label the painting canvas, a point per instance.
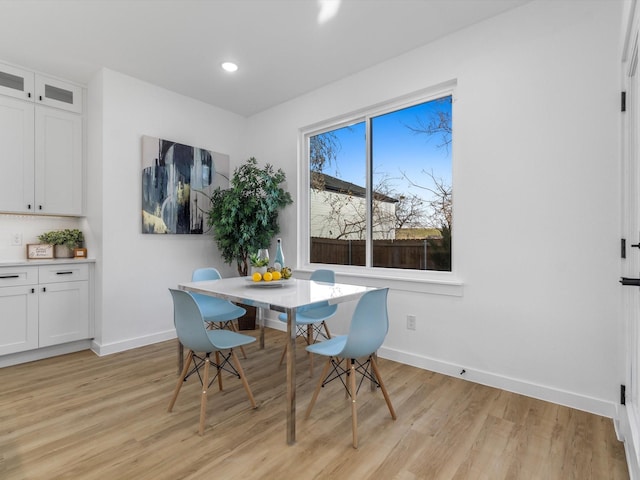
(177, 181)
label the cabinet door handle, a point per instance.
(40, 97)
(10, 276)
(33, 290)
(64, 273)
(40, 207)
(29, 207)
(28, 94)
(44, 289)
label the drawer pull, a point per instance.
(64, 273)
(9, 276)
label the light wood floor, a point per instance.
(82, 417)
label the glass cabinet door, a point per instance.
(15, 82)
(55, 93)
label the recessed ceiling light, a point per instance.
(230, 66)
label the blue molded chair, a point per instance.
(193, 334)
(218, 313)
(310, 323)
(367, 331)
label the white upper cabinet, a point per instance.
(16, 156)
(54, 93)
(58, 162)
(25, 85)
(17, 83)
(41, 144)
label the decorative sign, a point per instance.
(39, 250)
(80, 253)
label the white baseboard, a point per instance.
(128, 344)
(541, 392)
(44, 352)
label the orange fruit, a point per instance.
(256, 277)
(276, 275)
(267, 277)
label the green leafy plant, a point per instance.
(71, 238)
(244, 217)
(257, 261)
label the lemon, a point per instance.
(257, 277)
(267, 277)
(276, 275)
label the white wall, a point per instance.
(136, 270)
(536, 199)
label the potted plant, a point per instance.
(64, 241)
(259, 263)
(244, 217)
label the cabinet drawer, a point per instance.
(64, 273)
(16, 276)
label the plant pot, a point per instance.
(248, 321)
(62, 251)
(260, 270)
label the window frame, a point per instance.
(428, 281)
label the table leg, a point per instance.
(260, 314)
(374, 379)
(291, 376)
(180, 357)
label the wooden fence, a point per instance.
(417, 254)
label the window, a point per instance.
(380, 188)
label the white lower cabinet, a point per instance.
(18, 318)
(63, 313)
(41, 306)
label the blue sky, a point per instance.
(396, 149)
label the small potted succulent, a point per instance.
(259, 261)
(64, 241)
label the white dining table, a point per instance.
(287, 296)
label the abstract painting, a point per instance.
(177, 181)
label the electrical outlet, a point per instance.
(411, 322)
(16, 239)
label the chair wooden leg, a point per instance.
(234, 329)
(376, 371)
(354, 410)
(219, 371)
(236, 361)
(326, 329)
(309, 341)
(203, 398)
(183, 374)
(180, 357)
(325, 371)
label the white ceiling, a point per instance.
(281, 48)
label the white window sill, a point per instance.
(394, 279)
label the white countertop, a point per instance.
(47, 261)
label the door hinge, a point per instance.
(623, 395)
(623, 101)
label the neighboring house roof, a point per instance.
(333, 184)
